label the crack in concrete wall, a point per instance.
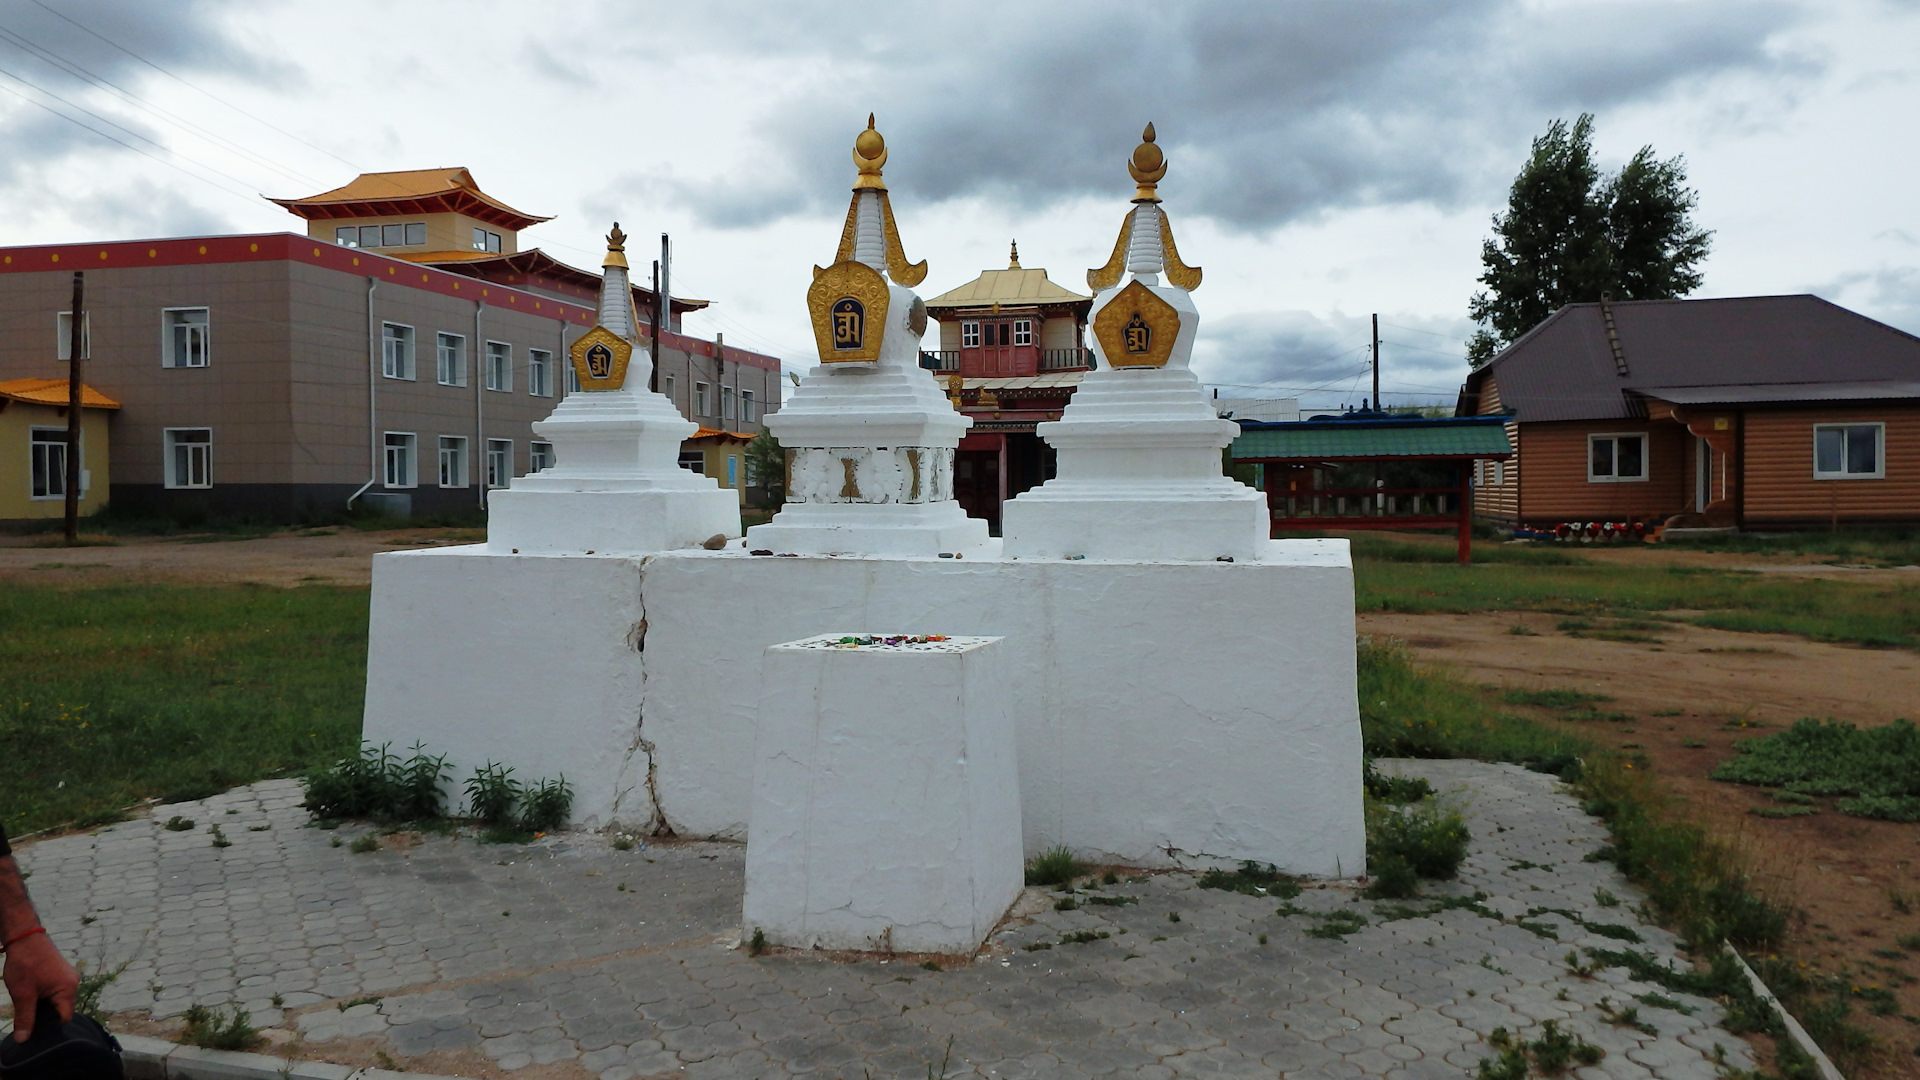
(656, 822)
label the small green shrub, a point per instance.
(1816, 757)
(364, 844)
(1404, 845)
(1393, 789)
(1054, 867)
(1902, 808)
(1252, 879)
(1782, 811)
(492, 793)
(176, 823)
(213, 1029)
(377, 783)
(758, 943)
(545, 805)
(1336, 925)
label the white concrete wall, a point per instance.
(1168, 712)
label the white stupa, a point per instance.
(1139, 446)
(617, 484)
(869, 435)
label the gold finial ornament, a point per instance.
(1013, 256)
(616, 248)
(870, 155)
(1147, 166)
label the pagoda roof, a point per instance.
(1010, 287)
(53, 392)
(531, 262)
(411, 191)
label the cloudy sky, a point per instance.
(1328, 159)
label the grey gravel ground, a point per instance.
(625, 962)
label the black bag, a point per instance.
(81, 1050)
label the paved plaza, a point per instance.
(593, 961)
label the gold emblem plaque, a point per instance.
(600, 359)
(848, 302)
(1137, 328)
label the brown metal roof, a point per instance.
(1564, 369)
(1013, 287)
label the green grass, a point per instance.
(1055, 866)
(115, 694)
(1879, 767)
(1892, 546)
(1863, 613)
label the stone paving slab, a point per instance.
(625, 963)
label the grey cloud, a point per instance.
(1323, 360)
(142, 208)
(1269, 112)
(1890, 294)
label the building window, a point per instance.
(47, 453)
(499, 366)
(486, 241)
(726, 403)
(347, 236)
(1023, 331)
(499, 462)
(733, 470)
(453, 461)
(1849, 451)
(539, 373)
(401, 463)
(699, 399)
(189, 457)
(693, 461)
(539, 456)
(1616, 458)
(746, 406)
(399, 234)
(63, 336)
(184, 337)
(573, 379)
(969, 335)
(1499, 474)
(450, 359)
(396, 356)
(666, 386)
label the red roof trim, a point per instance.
(455, 201)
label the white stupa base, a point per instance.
(1192, 522)
(535, 522)
(886, 797)
(902, 529)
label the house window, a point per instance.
(726, 402)
(396, 356)
(47, 453)
(1023, 331)
(539, 373)
(969, 335)
(453, 461)
(573, 379)
(1849, 451)
(499, 462)
(693, 461)
(666, 386)
(401, 464)
(746, 406)
(733, 470)
(189, 457)
(1616, 458)
(185, 337)
(989, 338)
(400, 234)
(1499, 474)
(539, 456)
(486, 241)
(499, 366)
(699, 399)
(347, 236)
(63, 336)
(451, 365)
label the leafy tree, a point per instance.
(1570, 235)
(767, 466)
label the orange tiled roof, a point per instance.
(708, 433)
(411, 191)
(54, 392)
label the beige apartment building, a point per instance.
(280, 375)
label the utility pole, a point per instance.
(653, 343)
(76, 345)
(1376, 362)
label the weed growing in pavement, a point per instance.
(377, 783)
(1112, 901)
(351, 1002)
(364, 844)
(1392, 789)
(1066, 903)
(1055, 866)
(1880, 767)
(213, 1029)
(1662, 1001)
(1336, 925)
(758, 943)
(176, 823)
(1252, 879)
(219, 838)
(1405, 844)
(545, 805)
(505, 834)
(1082, 937)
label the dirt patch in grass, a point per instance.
(327, 556)
(1689, 700)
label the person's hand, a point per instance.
(36, 970)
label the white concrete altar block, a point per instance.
(886, 796)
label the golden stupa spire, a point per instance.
(869, 156)
(616, 248)
(1147, 165)
(1013, 256)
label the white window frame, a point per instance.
(1023, 331)
(726, 403)
(1879, 451)
(499, 462)
(572, 377)
(699, 399)
(970, 334)
(666, 387)
(746, 406)
(169, 355)
(170, 447)
(450, 358)
(397, 351)
(540, 372)
(500, 380)
(56, 478)
(63, 335)
(453, 461)
(347, 236)
(408, 458)
(1616, 436)
(539, 456)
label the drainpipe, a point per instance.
(479, 401)
(373, 384)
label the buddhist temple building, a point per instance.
(1012, 349)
